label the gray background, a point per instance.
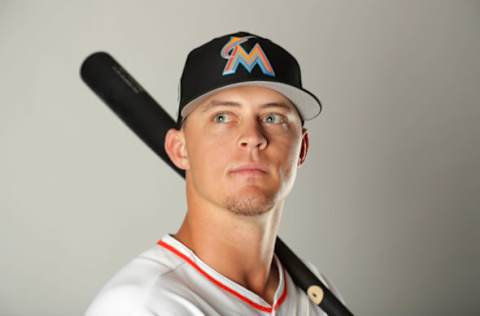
(387, 205)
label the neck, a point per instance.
(237, 246)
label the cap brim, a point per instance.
(307, 104)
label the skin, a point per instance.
(241, 148)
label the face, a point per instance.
(243, 146)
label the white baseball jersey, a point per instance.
(169, 279)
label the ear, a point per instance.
(303, 147)
(176, 148)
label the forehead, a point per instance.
(244, 96)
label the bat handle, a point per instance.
(318, 293)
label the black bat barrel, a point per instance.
(117, 88)
(126, 97)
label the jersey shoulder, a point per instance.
(128, 291)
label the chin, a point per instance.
(249, 204)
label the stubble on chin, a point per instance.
(248, 205)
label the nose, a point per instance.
(252, 136)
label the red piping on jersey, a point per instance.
(223, 286)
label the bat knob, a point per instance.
(315, 293)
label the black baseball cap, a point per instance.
(243, 59)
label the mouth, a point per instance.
(249, 170)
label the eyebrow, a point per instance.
(215, 103)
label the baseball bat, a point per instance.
(146, 118)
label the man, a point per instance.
(240, 140)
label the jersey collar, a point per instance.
(181, 251)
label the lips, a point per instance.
(249, 169)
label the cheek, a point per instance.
(209, 155)
(289, 151)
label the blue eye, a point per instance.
(274, 118)
(221, 118)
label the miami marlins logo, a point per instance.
(236, 55)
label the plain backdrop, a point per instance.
(386, 206)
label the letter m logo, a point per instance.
(236, 55)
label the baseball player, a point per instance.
(240, 139)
